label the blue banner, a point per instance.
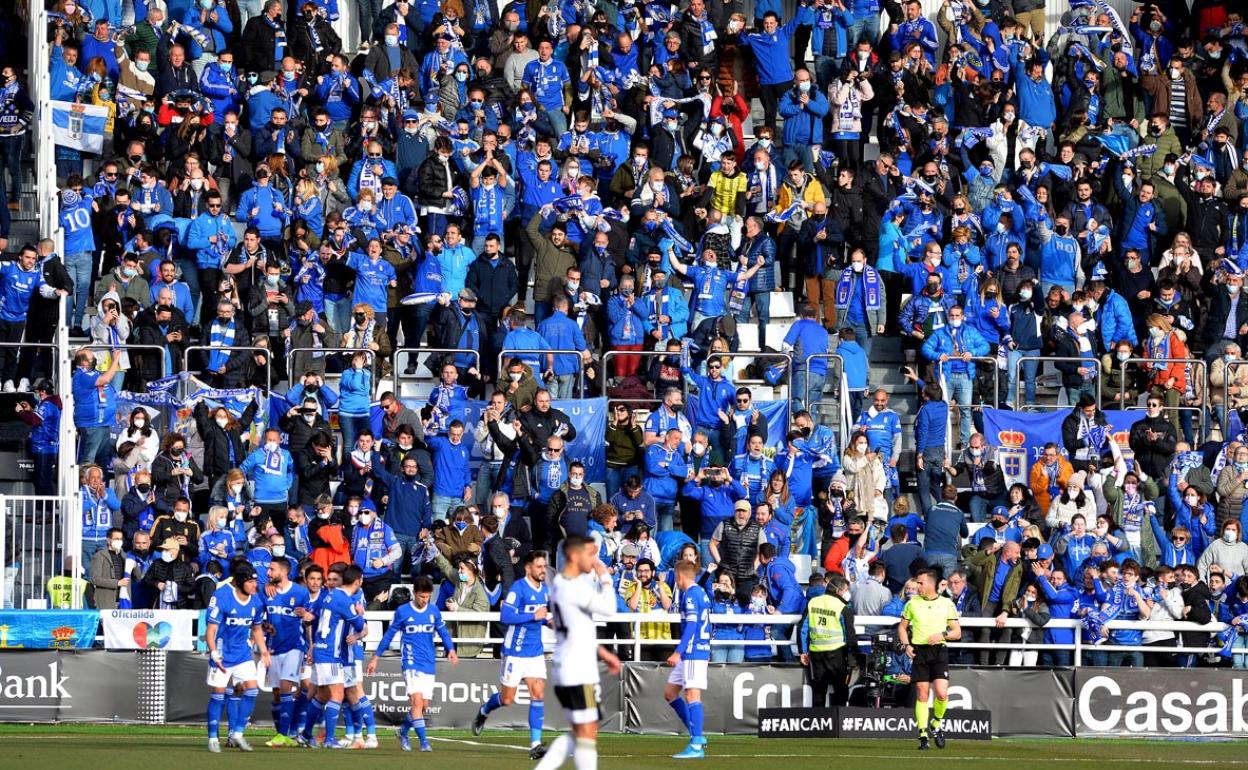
(588, 416)
(1020, 436)
(48, 629)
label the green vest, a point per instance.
(826, 632)
(61, 591)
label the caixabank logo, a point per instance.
(1163, 703)
(23, 687)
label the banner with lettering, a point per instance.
(1020, 436)
(149, 629)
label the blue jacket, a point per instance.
(803, 125)
(930, 425)
(210, 255)
(717, 502)
(942, 342)
(664, 474)
(1025, 326)
(854, 360)
(783, 590)
(713, 397)
(270, 486)
(408, 511)
(221, 88)
(355, 392)
(1035, 99)
(627, 322)
(763, 246)
(267, 219)
(451, 472)
(671, 303)
(563, 334)
(771, 52)
(1113, 320)
(339, 93)
(353, 182)
(525, 338)
(375, 542)
(914, 313)
(46, 420)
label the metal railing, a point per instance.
(863, 624)
(268, 361)
(402, 355)
(1018, 382)
(840, 404)
(39, 538)
(1229, 369)
(522, 352)
(129, 349)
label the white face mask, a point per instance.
(1230, 536)
(222, 422)
(324, 515)
(515, 376)
(699, 449)
(270, 446)
(139, 422)
(114, 546)
(956, 323)
(366, 519)
(168, 556)
(859, 267)
(236, 489)
(279, 551)
(222, 523)
(1024, 294)
(576, 481)
(500, 511)
(180, 515)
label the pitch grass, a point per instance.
(100, 747)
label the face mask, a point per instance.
(500, 511)
(1123, 356)
(366, 206)
(392, 40)
(1156, 333)
(461, 77)
(324, 515)
(576, 481)
(955, 322)
(270, 446)
(366, 519)
(1061, 229)
(141, 66)
(672, 125)
(167, 556)
(1024, 295)
(222, 422)
(804, 86)
(114, 546)
(758, 604)
(1008, 117)
(1175, 74)
(1230, 536)
(1192, 502)
(699, 449)
(1233, 289)
(463, 577)
(765, 143)
(279, 551)
(180, 515)
(858, 267)
(476, 105)
(460, 526)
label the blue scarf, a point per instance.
(220, 335)
(279, 40)
(870, 284)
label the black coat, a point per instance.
(447, 326)
(495, 285)
(217, 440)
(169, 487)
(496, 562)
(433, 180)
(177, 571)
(147, 332)
(1216, 316)
(258, 43)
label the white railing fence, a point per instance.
(39, 539)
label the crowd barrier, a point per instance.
(39, 537)
(530, 353)
(155, 686)
(1017, 395)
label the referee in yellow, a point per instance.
(928, 623)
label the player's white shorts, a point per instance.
(353, 674)
(579, 702)
(324, 674)
(305, 670)
(689, 674)
(419, 683)
(516, 670)
(236, 674)
(284, 668)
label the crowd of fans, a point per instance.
(567, 180)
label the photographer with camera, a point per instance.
(825, 642)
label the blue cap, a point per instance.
(669, 113)
(1045, 551)
(410, 114)
(1000, 510)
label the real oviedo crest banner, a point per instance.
(1020, 436)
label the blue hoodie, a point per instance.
(665, 473)
(717, 502)
(271, 486)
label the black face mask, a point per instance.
(143, 553)
(360, 317)
(143, 489)
(1061, 229)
